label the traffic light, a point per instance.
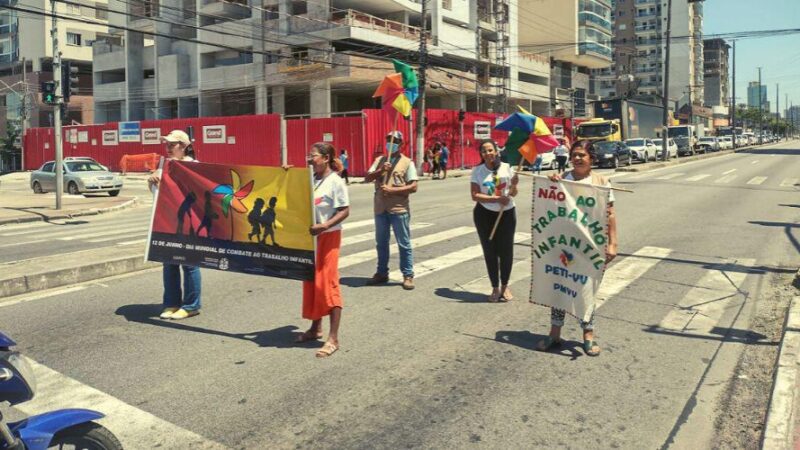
(49, 93)
(461, 115)
(69, 80)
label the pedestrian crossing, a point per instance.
(729, 177)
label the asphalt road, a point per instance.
(438, 367)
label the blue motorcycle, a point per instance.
(62, 429)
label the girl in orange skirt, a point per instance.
(322, 296)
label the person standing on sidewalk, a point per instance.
(178, 305)
(322, 296)
(562, 154)
(493, 185)
(444, 154)
(345, 161)
(395, 179)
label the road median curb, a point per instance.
(44, 273)
(87, 212)
(780, 423)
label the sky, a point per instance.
(778, 56)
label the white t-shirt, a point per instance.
(330, 194)
(158, 172)
(561, 150)
(492, 184)
(411, 173)
(588, 180)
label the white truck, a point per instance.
(686, 136)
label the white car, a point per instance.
(642, 149)
(672, 147)
(708, 144)
(725, 143)
(548, 161)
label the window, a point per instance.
(447, 4)
(73, 38)
(48, 167)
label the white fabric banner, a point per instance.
(569, 227)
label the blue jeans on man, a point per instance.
(189, 299)
(400, 223)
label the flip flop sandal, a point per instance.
(327, 350)
(549, 344)
(589, 348)
(493, 299)
(307, 337)
(505, 299)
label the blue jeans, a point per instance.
(402, 233)
(190, 300)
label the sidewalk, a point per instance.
(782, 429)
(18, 203)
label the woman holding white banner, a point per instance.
(582, 156)
(322, 295)
(493, 186)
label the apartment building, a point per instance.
(188, 58)
(26, 37)
(640, 49)
(716, 84)
(575, 35)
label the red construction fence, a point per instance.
(256, 139)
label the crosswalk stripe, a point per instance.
(754, 162)
(367, 255)
(371, 235)
(127, 230)
(699, 177)
(430, 266)
(133, 427)
(67, 229)
(670, 176)
(701, 308)
(622, 274)
(725, 179)
(358, 224)
(789, 182)
(729, 171)
(137, 241)
(116, 236)
(15, 244)
(757, 180)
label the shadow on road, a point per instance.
(771, 151)
(721, 267)
(733, 335)
(527, 340)
(362, 282)
(282, 337)
(461, 296)
(787, 228)
(789, 206)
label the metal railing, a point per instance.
(354, 18)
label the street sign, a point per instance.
(482, 130)
(130, 131)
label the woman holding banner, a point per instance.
(322, 296)
(178, 305)
(582, 156)
(492, 186)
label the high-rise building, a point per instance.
(715, 62)
(576, 36)
(307, 57)
(753, 94)
(640, 49)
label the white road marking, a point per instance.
(359, 224)
(703, 306)
(41, 295)
(367, 255)
(699, 177)
(127, 230)
(449, 260)
(757, 180)
(670, 176)
(790, 182)
(137, 241)
(730, 171)
(14, 244)
(113, 238)
(371, 235)
(754, 162)
(133, 427)
(622, 274)
(725, 179)
(64, 228)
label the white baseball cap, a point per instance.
(177, 136)
(397, 135)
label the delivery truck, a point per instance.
(620, 119)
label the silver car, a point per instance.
(81, 176)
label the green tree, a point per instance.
(9, 148)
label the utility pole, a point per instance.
(57, 109)
(478, 62)
(760, 106)
(461, 113)
(423, 65)
(786, 132)
(733, 99)
(24, 110)
(665, 93)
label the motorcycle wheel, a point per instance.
(86, 436)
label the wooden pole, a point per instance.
(391, 141)
(500, 215)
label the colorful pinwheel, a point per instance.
(232, 199)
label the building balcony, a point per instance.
(233, 9)
(8, 28)
(585, 48)
(358, 19)
(171, 74)
(591, 19)
(646, 2)
(109, 91)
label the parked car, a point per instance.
(726, 143)
(548, 161)
(741, 141)
(672, 147)
(708, 144)
(81, 176)
(612, 154)
(642, 149)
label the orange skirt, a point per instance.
(323, 294)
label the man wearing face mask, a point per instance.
(395, 179)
